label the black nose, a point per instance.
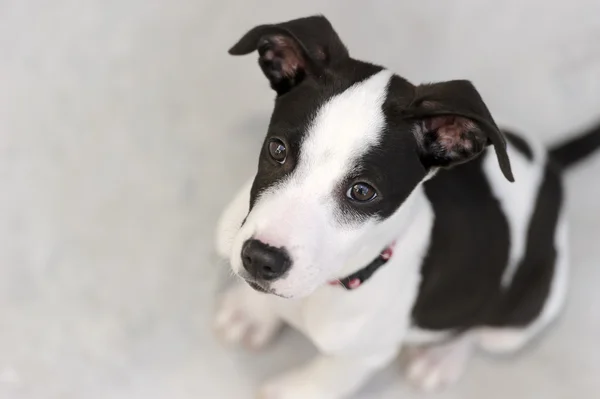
(264, 261)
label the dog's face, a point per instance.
(347, 144)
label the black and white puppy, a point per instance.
(379, 218)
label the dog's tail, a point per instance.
(571, 151)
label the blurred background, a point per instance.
(125, 128)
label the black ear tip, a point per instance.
(241, 49)
(504, 163)
(249, 42)
(236, 50)
(507, 172)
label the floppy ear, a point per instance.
(453, 126)
(290, 51)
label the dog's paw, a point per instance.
(433, 368)
(294, 385)
(245, 318)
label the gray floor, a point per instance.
(124, 128)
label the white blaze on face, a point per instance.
(298, 213)
(345, 127)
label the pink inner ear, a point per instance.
(288, 52)
(451, 131)
(438, 122)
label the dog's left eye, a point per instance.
(277, 150)
(361, 192)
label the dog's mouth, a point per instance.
(260, 288)
(257, 287)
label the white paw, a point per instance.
(433, 368)
(293, 385)
(245, 318)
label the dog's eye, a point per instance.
(361, 192)
(277, 150)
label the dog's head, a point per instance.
(347, 144)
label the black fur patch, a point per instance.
(468, 251)
(468, 254)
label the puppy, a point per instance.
(380, 218)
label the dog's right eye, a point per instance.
(277, 150)
(361, 192)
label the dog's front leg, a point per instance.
(245, 317)
(328, 376)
